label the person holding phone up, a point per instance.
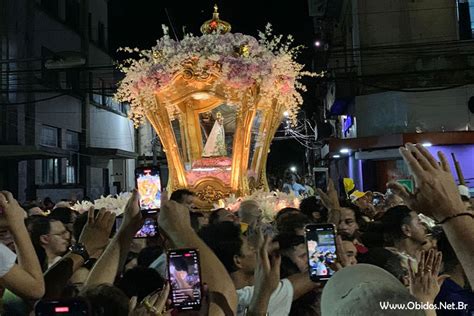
(24, 278)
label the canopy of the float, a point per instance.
(219, 84)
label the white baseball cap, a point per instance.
(359, 290)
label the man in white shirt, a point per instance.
(239, 258)
(291, 186)
(52, 236)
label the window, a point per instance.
(49, 136)
(50, 171)
(101, 35)
(71, 170)
(465, 17)
(8, 127)
(471, 13)
(72, 140)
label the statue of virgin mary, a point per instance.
(215, 144)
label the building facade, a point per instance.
(400, 70)
(61, 133)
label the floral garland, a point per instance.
(241, 60)
(115, 203)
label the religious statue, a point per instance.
(215, 145)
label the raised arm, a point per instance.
(106, 268)
(25, 278)
(330, 200)
(436, 195)
(94, 238)
(174, 221)
(267, 277)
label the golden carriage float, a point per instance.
(215, 101)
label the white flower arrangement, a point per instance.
(241, 62)
(114, 203)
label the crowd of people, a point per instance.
(409, 248)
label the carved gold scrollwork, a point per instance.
(188, 73)
(210, 194)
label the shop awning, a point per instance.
(397, 140)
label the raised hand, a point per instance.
(267, 275)
(132, 216)
(95, 235)
(174, 217)
(153, 304)
(342, 260)
(425, 284)
(330, 200)
(12, 211)
(436, 193)
(268, 263)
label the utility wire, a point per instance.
(35, 101)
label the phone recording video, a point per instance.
(150, 225)
(321, 177)
(149, 187)
(184, 273)
(321, 246)
(72, 307)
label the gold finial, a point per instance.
(215, 24)
(242, 50)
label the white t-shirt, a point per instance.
(7, 259)
(280, 300)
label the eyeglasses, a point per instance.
(63, 233)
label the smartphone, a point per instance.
(73, 307)
(150, 224)
(321, 247)
(321, 177)
(148, 182)
(184, 274)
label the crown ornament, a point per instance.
(215, 25)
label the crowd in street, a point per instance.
(406, 248)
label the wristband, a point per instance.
(454, 216)
(89, 264)
(80, 250)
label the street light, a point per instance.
(293, 169)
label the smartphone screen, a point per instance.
(321, 247)
(150, 225)
(149, 187)
(73, 307)
(184, 273)
(321, 178)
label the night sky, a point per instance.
(138, 24)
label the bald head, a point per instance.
(249, 211)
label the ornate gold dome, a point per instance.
(215, 24)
